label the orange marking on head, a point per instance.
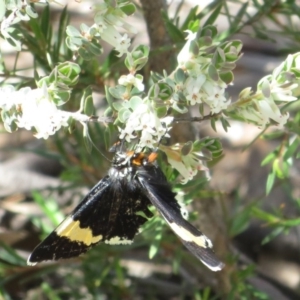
(138, 159)
(152, 157)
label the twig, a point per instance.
(197, 119)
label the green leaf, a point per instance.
(227, 77)
(269, 158)
(84, 53)
(73, 43)
(161, 111)
(225, 123)
(68, 72)
(154, 247)
(117, 91)
(213, 73)
(240, 222)
(238, 18)
(138, 58)
(214, 15)
(179, 76)
(291, 222)
(190, 19)
(123, 115)
(108, 96)
(117, 106)
(135, 102)
(280, 168)
(277, 134)
(213, 124)
(30, 11)
(10, 257)
(13, 36)
(73, 31)
(175, 33)
(45, 22)
(291, 149)
(39, 39)
(89, 108)
(87, 139)
(61, 97)
(60, 41)
(94, 48)
(262, 215)
(273, 234)
(209, 31)
(128, 9)
(270, 182)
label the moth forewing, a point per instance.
(115, 209)
(162, 197)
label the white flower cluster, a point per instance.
(31, 109)
(145, 120)
(20, 11)
(272, 91)
(187, 165)
(131, 80)
(106, 23)
(199, 87)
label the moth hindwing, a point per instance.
(158, 191)
(116, 207)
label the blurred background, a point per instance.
(41, 181)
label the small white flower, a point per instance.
(264, 106)
(186, 172)
(187, 165)
(60, 119)
(146, 139)
(215, 99)
(123, 44)
(132, 80)
(114, 38)
(193, 89)
(194, 98)
(283, 94)
(40, 113)
(144, 120)
(100, 23)
(263, 111)
(269, 110)
(115, 17)
(251, 114)
(7, 97)
(127, 135)
(165, 125)
(132, 124)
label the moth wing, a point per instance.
(108, 213)
(162, 197)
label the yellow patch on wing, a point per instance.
(118, 241)
(200, 240)
(71, 229)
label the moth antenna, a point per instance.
(122, 144)
(91, 141)
(97, 149)
(160, 141)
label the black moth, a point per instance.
(112, 212)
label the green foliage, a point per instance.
(66, 60)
